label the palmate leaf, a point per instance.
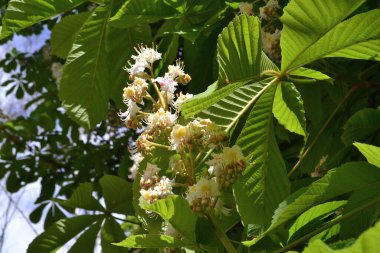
(288, 108)
(60, 233)
(371, 153)
(345, 179)
(239, 49)
(86, 242)
(21, 14)
(134, 12)
(151, 241)
(264, 183)
(112, 233)
(63, 33)
(314, 30)
(366, 243)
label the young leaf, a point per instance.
(345, 179)
(361, 125)
(313, 30)
(151, 241)
(117, 194)
(311, 74)
(239, 49)
(313, 217)
(21, 14)
(60, 233)
(288, 108)
(367, 242)
(135, 12)
(372, 153)
(264, 183)
(175, 210)
(63, 33)
(82, 198)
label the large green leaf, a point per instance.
(239, 49)
(82, 198)
(345, 179)
(371, 153)
(361, 125)
(227, 105)
(84, 86)
(175, 210)
(112, 233)
(288, 108)
(151, 241)
(63, 33)
(86, 242)
(314, 30)
(117, 194)
(368, 242)
(60, 233)
(313, 217)
(21, 14)
(264, 183)
(134, 12)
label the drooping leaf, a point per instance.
(371, 153)
(175, 210)
(239, 49)
(135, 12)
(112, 233)
(117, 194)
(313, 217)
(21, 14)
(86, 242)
(345, 179)
(151, 241)
(60, 233)
(288, 108)
(367, 242)
(63, 33)
(84, 86)
(82, 198)
(361, 125)
(314, 30)
(264, 183)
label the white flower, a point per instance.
(138, 68)
(246, 8)
(160, 120)
(164, 187)
(176, 70)
(136, 91)
(182, 98)
(203, 189)
(271, 44)
(216, 164)
(178, 137)
(144, 59)
(268, 11)
(131, 112)
(166, 83)
(232, 155)
(137, 158)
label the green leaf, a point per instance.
(117, 194)
(82, 198)
(63, 33)
(313, 217)
(176, 210)
(86, 242)
(345, 179)
(314, 30)
(361, 125)
(239, 49)
(84, 86)
(227, 105)
(151, 241)
(264, 183)
(371, 153)
(112, 233)
(60, 233)
(21, 14)
(367, 242)
(311, 74)
(288, 108)
(134, 12)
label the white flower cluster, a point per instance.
(271, 44)
(185, 143)
(246, 8)
(269, 11)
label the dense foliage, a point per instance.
(301, 115)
